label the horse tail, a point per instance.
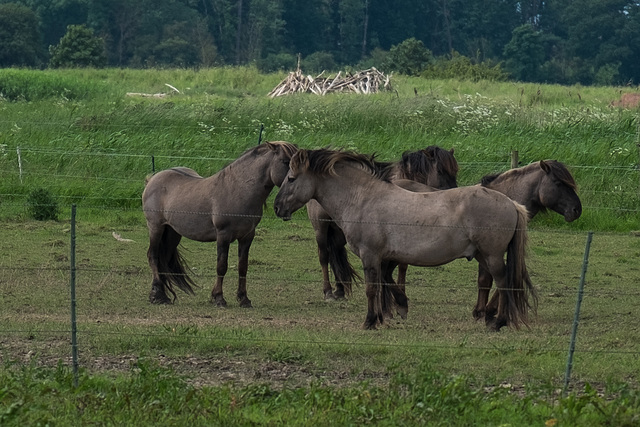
(342, 269)
(520, 290)
(173, 268)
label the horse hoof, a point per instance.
(402, 312)
(369, 327)
(220, 303)
(329, 296)
(477, 314)
(246, 304)
(155, 300)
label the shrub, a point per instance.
(42, 206)
(460, 67)
(78, 48)
(277, 62)
(318, 62)
(410, 57)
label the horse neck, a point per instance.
(341, 195)
(249, 176)
(522, 188)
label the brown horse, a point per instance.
(224, 207)
(432, 166)
(540, 186)
(430, 229)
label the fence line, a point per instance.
(632, 168)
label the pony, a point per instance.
(430, 229)
(432, 166)
(224, 207)
(540, 186)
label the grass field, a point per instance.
(294, 356)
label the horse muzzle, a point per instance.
(571, 215)
(281, 213)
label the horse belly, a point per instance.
(431, 249)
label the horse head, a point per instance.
(557, 190)
(295, 190)
(282, 152)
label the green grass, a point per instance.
(295, 356)
(96, 148)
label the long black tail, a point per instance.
(173, 268)
(342, 269)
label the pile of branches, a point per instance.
(367, 81)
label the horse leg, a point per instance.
(243, 266)
(394, 291)
(375, 308)
(402, 276)
(485, 280)
(492, 307)
(495, 266)
(221, 269)
(321, 230)
(160, 245)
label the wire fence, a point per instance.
(138, 269)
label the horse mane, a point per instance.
(415, 165)
(556, 168)
(288, 148)
(323, 161)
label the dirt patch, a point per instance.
(217, 370)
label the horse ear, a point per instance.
(451, 151)
(545, 166)
(299, 160)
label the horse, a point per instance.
(431, 228)
(224, 207)
(540, 186)
(432, 166)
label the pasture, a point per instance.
(95, 151)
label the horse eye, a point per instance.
(291, 179)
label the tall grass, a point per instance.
(83, 138)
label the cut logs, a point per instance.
(367, 81)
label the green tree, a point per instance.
(410, 57)
(19, 36)
(79, 47)
(524, 53)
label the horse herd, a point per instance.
(390, 214)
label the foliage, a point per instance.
(318, 62)
(277, 62)
(78, 48)
(42, 206)
(525, 53)
(20, 43)
(460, 67)
(567, 42)
(410, 57)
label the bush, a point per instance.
(460, 67)
(318, 62)
(277, 62)
(78, 48)
(42, 206)
(410, 57)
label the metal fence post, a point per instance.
(576, 317)
(74, 341)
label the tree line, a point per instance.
(553, 41)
